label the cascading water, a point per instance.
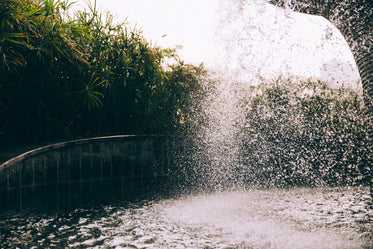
(256, 129)
(217, 137)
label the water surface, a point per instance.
(292, 218)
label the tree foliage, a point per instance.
(75, 75)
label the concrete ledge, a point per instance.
(87, 171)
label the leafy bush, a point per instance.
(74, 75)
(304, 134)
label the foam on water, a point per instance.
(295, 218)
(269, 219)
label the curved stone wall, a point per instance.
(87, 171)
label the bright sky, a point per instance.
(261, 38)
(169, 23)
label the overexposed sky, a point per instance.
(258, 38)
(169, 23)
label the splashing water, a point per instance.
(283, 219)
(253, 135)
(257, 40)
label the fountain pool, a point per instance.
(283, 218)
(244, 138)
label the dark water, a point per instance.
(292, 218)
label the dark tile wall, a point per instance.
(85, 172)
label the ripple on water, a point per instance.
(293, 218)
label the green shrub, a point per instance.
(304, 133)
(75, 75)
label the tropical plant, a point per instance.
(79, 74)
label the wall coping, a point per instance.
(66, 144)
